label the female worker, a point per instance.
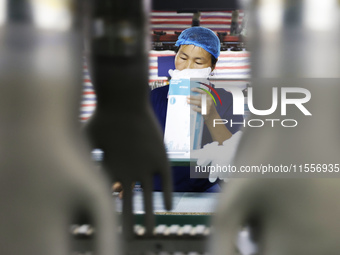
(199, 48)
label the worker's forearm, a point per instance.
(219, 133)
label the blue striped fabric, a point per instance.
(88, 102)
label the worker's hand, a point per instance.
(218, 156)
(118, 187)
(196, 102)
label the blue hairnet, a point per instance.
(201, 37)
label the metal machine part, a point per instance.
(47, 178)
(165, 238)
(123, 125)
(287, 214)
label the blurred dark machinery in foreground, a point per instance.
(185, 229)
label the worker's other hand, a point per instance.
(218, 156)
(196, 102)
(118, 187)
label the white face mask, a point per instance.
(190, 73)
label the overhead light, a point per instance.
(270, 15)
(320, 15)
(3, 10)
(52, 14)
